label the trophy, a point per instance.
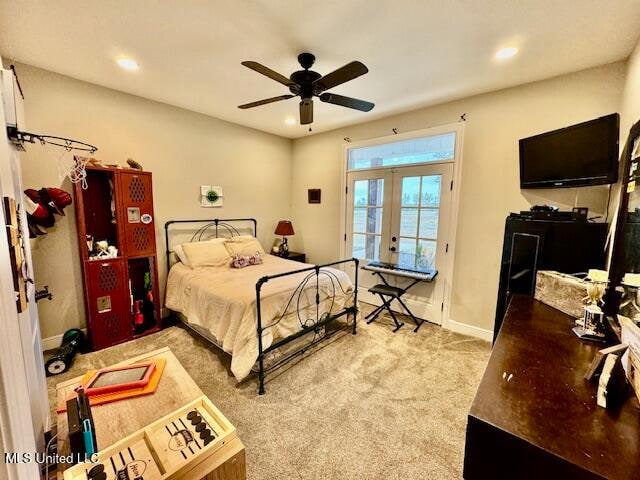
(591, 325)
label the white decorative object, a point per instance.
(591, 325)
(104, 250)
(600, 276)
(631, 280)
(211, 196)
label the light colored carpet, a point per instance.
(377, 405)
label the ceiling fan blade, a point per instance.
(341, 75)
(268, 72)
(349, 102)
(265, 101)
(306, 111)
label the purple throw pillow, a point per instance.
(241, 261)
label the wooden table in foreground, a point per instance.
(534, 416)
(114, 421)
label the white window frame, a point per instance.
(458, 128)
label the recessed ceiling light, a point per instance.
(290, 121)
(506, 52)
(128, 64)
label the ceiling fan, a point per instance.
(307, 84)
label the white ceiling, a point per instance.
(418, 52)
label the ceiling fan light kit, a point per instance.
(307, 84)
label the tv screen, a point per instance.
(580, 155)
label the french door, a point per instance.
(401, 215)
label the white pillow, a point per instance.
(240, 238)
(206, 254)
(243, 246)
(179, 249)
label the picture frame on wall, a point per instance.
(314, 195)
(211, 196)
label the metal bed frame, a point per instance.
(314, 326)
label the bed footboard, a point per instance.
(314, 325)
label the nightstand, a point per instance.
(295, 256)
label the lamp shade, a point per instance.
(284, 228)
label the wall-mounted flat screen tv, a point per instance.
(576, 156)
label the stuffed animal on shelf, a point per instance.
(41, 205)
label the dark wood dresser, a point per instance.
(534, 416)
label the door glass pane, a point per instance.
(360, 219)
(366, 246)
(368, 192)
(429, 223)
(430, 191)
(373, 247)
(426, 253)
(368, 197)
(367, 220)
(374, 220)
(361, 193)
(358, 249)
(432, 148)
(410, 191)
(408, 222)
(376, 192)
(407, 251)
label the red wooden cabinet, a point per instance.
(109, 302)
(121, 293)
(136, 202)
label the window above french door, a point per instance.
(439, 147)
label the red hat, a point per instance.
(32, 194)
(40, 214)
(55, 198)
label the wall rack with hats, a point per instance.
(116, 238)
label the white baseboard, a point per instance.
(470, 330)
(51, 343)
(418, 307)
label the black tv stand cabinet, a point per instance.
(532, 244)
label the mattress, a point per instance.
(222, 301)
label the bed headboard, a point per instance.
(215, 228)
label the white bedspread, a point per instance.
(222, 300)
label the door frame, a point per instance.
(25, 414)
(458, 128)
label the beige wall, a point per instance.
(181, 148)
(490, 176)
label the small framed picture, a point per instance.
(314, 195)
(211, 196)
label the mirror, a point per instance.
(623, 296)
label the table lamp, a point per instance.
(284, 229)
